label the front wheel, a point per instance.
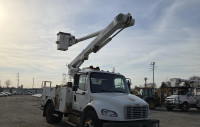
(169, 108)
(185, 107)
(90, 119)
(59, 118)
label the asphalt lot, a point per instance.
(24, 111)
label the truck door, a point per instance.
(81, 97)
(191, 98)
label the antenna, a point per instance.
(113, 70)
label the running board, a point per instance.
(72, 124)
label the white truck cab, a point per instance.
(108, 94)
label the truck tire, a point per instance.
(50, 118)
(185, 107)
(152, 104)
(169, 108)
(90, 119)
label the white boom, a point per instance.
(177, 81)
(65, 40)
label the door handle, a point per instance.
(75, 98)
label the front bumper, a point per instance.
(170, 104)
(138, 123)
(173, 105)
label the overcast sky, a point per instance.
(165, 31)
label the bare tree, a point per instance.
(195, 78)
(8, 82)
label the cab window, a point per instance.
(82, 82)
(118, 82)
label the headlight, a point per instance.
(110, 113)
(175, 100)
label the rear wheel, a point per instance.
(50, 118)
(90, 119)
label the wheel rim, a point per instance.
(89, 123)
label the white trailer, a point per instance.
(95, 98)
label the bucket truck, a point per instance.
(184, 97)
(95, 98)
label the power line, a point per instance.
(181, 65)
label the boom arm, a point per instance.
(65, 40)
(178, 81)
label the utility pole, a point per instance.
(33, 83)
(153, 67)
(0, 83)
(17, 79)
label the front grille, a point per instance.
(136, 112)
(169, 100)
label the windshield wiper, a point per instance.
(104, 91)
(114, 91)
(119, 91)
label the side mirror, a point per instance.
(76, 79)
(69, 84)
(74, 88)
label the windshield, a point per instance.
(146, 92)
(180, 91)
(101, 82)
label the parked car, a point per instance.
(14, 92)
(9, 94)
(1, 95)
(4, 94)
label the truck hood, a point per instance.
(119, 98)
(115, 102)
(172, 97)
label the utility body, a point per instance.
(95, 98)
